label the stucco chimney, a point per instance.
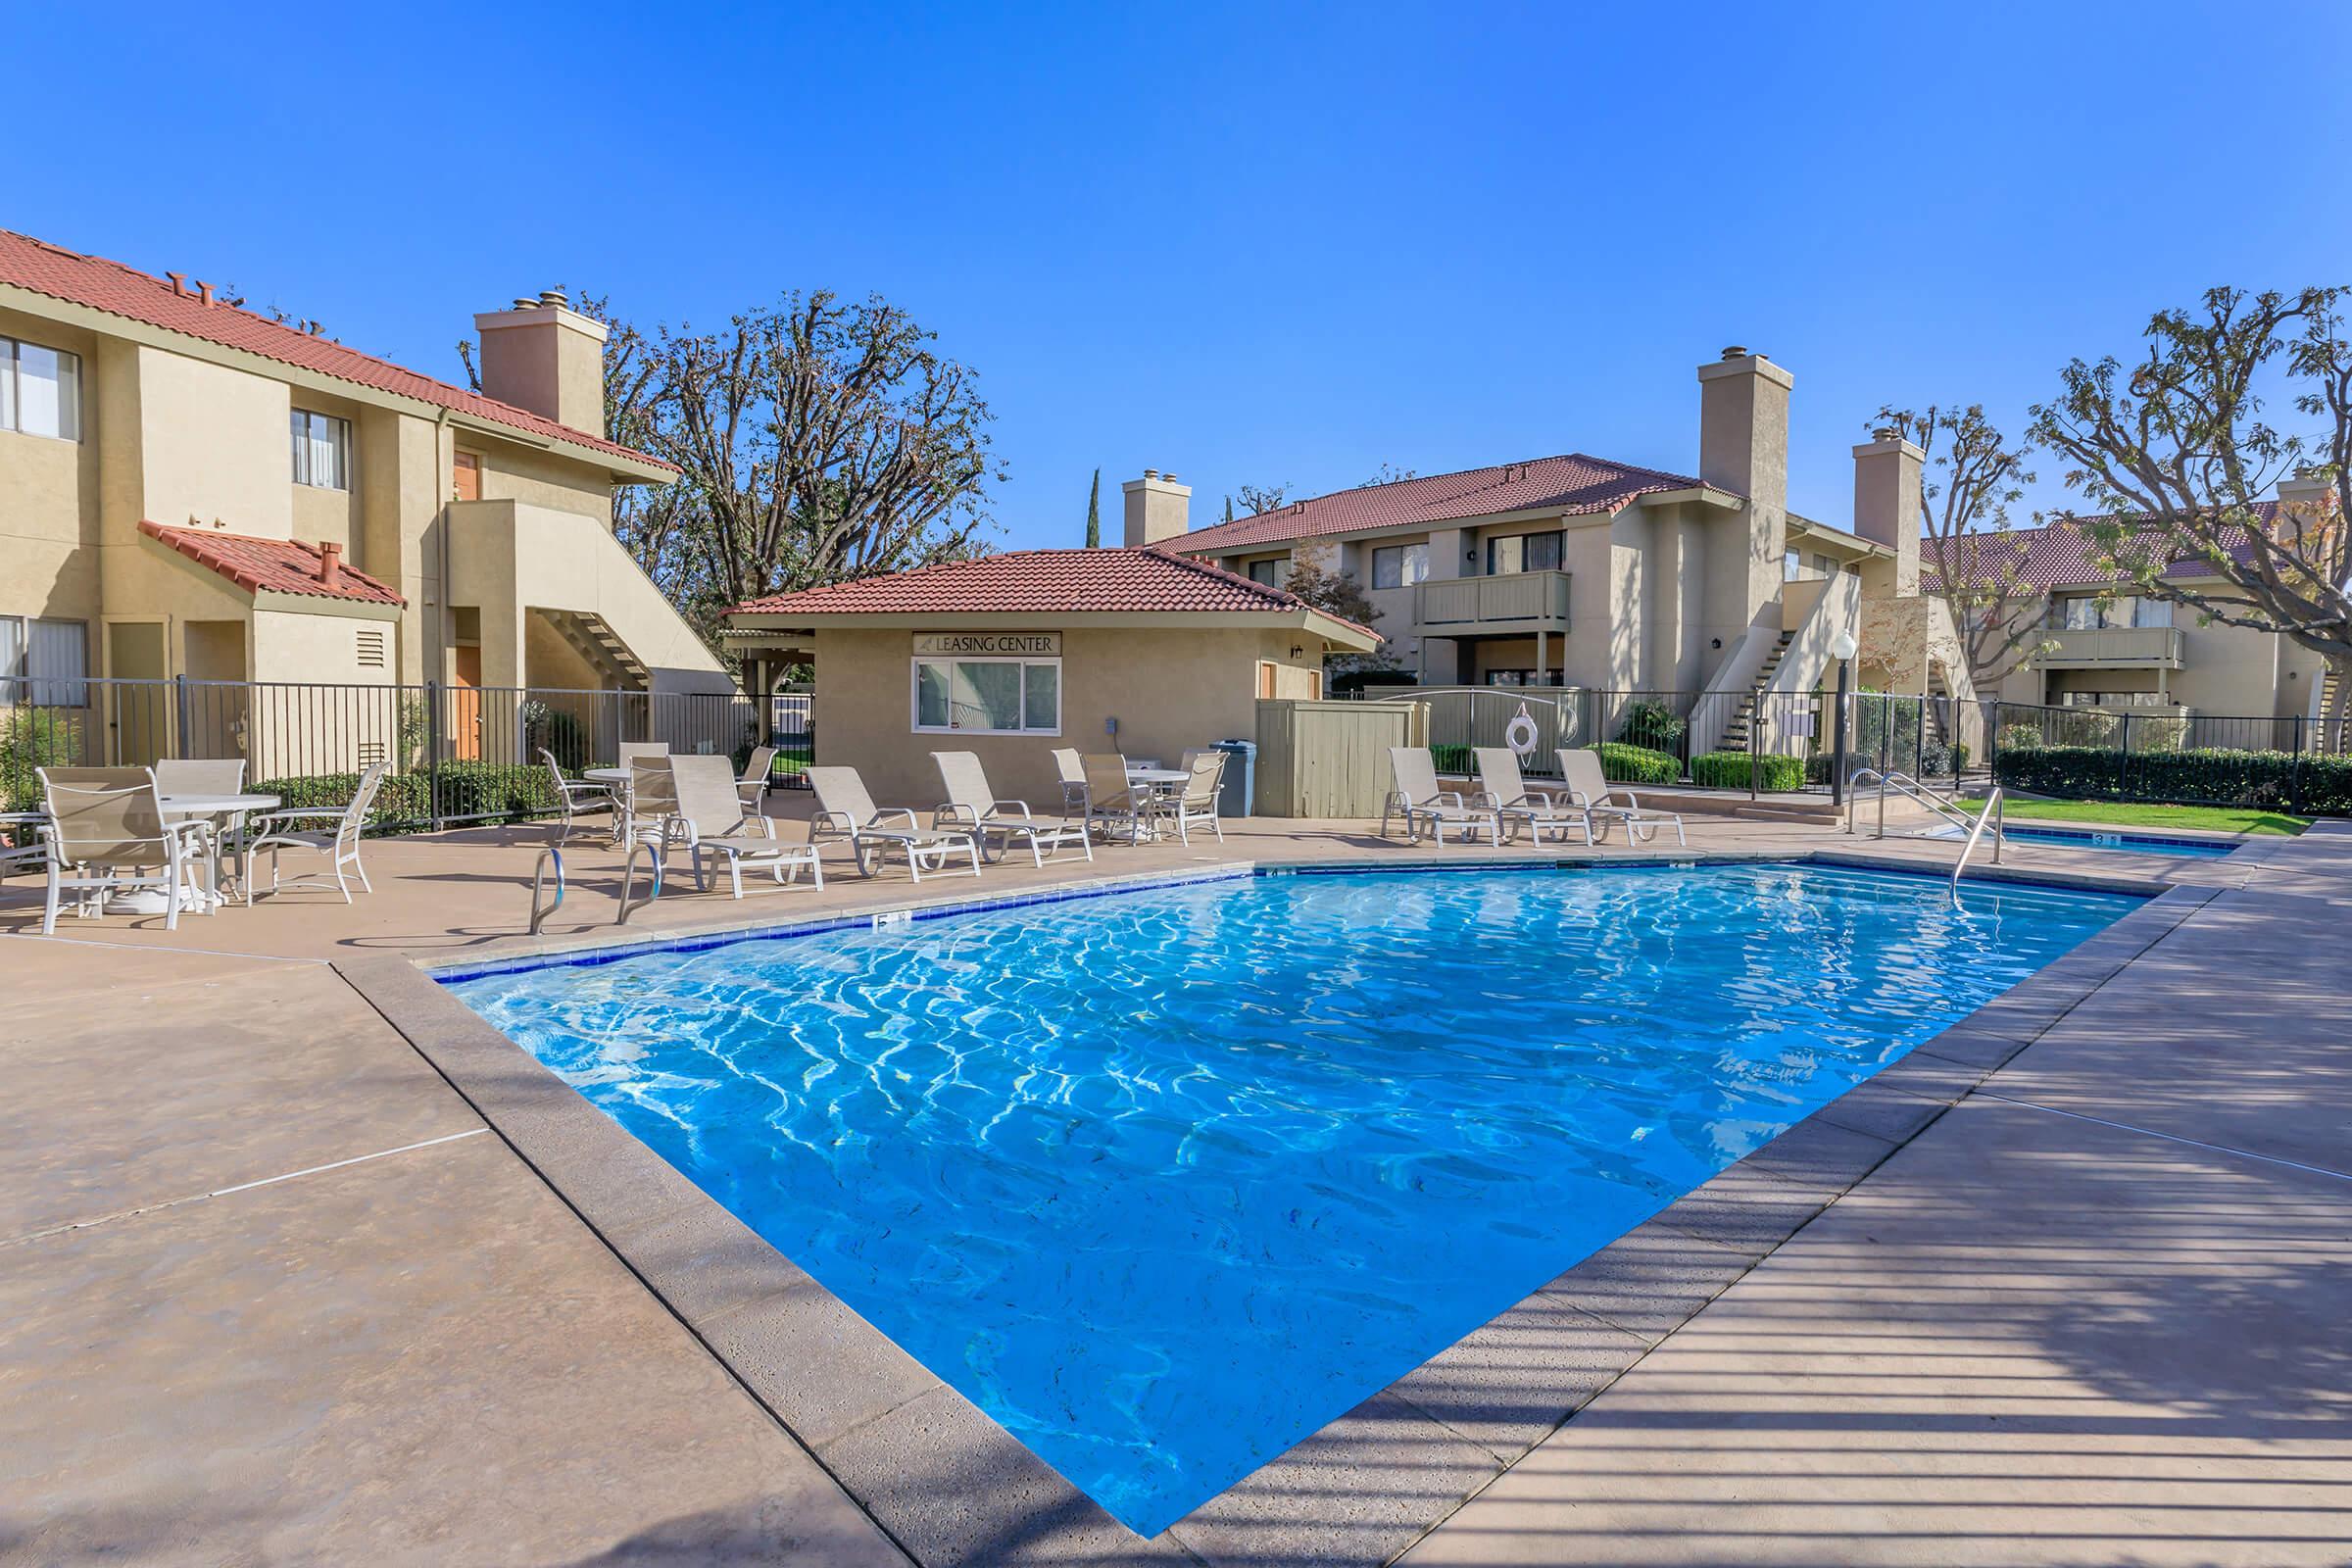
(1886, 481)
(547, 358)
(331, 563)
(1743, 428)
(1157, 507)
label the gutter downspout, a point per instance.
(441, 589)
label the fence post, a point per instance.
(2123, 780)
(432, 753)
(2294, 769)
(1755, 728)
(180, 714)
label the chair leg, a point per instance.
(49, 909)
(361, 872)
(735, 874)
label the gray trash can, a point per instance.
(1238, 791)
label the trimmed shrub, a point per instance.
(1453, 758)
(2017, 737)
(2313, 785)
(1818, 766)
(1732, 770)
(1650, 725)
(405, 803)
(1960, 757)
(35, 738)
(1621, 763)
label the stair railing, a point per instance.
(1903, 784)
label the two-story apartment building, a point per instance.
(188, 487)
(1578, 571)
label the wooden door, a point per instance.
(465, 476)
(466, 703)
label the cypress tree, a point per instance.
(1094, 514)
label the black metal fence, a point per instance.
(458, 754)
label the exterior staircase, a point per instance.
(1735, 733)
(595, 641)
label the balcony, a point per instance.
(2113, 648)
(1519, 600)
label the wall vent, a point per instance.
(373, 648)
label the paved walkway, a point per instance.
(269, 1292)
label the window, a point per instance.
(40, 390)
(1792, 566)
(2086, 612)
(321, 450)
(987, 696)
(1265, 572)
(1400, 565)
(51, 658)
(1523, 552)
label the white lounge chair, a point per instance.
(1500, 786)
(275, 833)
(707, 817)
(1418, 800)
(1196, 804)
(1588, 788)
(973, 807)
(576, 798)
(844, 809)
(106, 833)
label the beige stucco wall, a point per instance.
(49, 499)
(214, 445)
(1171, 689)
(544, 480)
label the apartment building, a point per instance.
(188, 487)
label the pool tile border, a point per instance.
(949, 1486)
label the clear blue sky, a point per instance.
(1248, 243)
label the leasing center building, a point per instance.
(1137, 651)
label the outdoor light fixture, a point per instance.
(1296, 650)
(1714, 642)
(1842, 647)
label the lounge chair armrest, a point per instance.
(1449, 796)
(838, 821)
(954, 813)
(1631, 803)
(1012, 809)
(894, 811)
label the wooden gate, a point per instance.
(1331, 759)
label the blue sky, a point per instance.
(1248, 243)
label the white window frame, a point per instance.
(300, 449)
(1409, 556)
(29, 688)
(915, 692)
(69, 392)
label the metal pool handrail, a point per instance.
(1905, 785)
(1990, 812)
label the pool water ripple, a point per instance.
(1165, 1180)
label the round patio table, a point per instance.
(1156, 782)
(149, 902)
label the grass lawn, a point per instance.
(2124, 813)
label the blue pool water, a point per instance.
(1165, 1180)
(2086, 838)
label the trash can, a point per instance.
(1238, 791)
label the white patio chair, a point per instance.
(845, 810)
(1072, 773)
(1418, 800)
(630, 751)
(576, 798)
(105, 834)
(1111, 800)
(1588, 788)
(973, 807)
(1196, 803)
(753, 785)
(206, 775)
(1541, 808)
(648, 802)
(275, 833)
(707, 816)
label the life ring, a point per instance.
(1521, 732)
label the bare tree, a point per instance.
(1259, 499)
(1964, 534)
(2174, 453)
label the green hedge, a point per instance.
(404, 800)
(1454, 760)
(1730, 770)
(31, 739)
(2319, 786)
(1621, 763)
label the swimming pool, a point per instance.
(1166, 1180)
(2091, 838)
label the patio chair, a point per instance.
(651, 799)
(630, 751)
(1541, 808)
(1196, 804)
(1588, 788)
(972, 805)
(339, 842)
(206, 775)
(106, 833)
(844, 809)
(709, 815)
(753, 786)
(1072, 773)
(576, 798)
(1111, 800)
(1418, 800)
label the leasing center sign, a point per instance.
(987, 644)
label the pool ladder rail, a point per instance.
(1992, 812)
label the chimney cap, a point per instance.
(1151, 474)
(1735, 351)
(1884, 432)
(525, 302)
(330, 562)
(554, 297)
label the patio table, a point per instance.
(1155, 783)
(186, 805)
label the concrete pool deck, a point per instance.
(2084, 1316)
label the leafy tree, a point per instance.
(1094, 514)
(1335, 593)
(2175, 450)
(1965, 539)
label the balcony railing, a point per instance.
(2127, 647)
(1522, 599)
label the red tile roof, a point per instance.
(119, 290)
(1574, 484)
(1044, 582)
(2062, 557)
(272, 566)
